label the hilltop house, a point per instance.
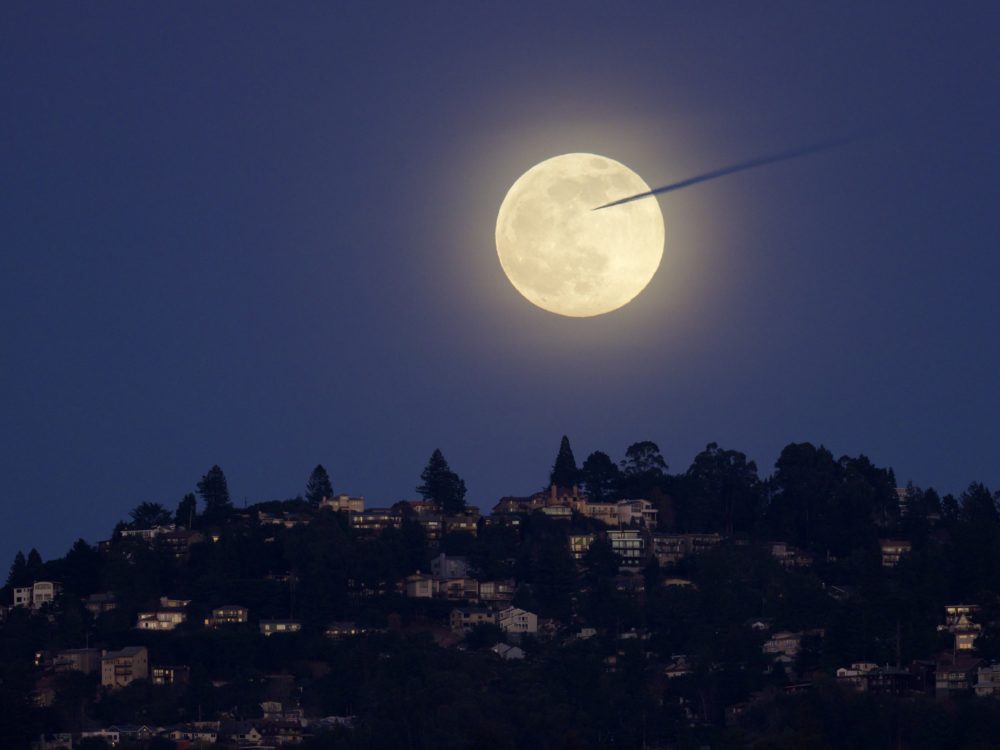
(344, 503)
(37, 595)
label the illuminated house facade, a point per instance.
(121, 668)
(37, 595)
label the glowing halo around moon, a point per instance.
(567, 258)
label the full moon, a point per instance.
(567, 258)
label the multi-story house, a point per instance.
(497, 591)
(228, 614)
(463, 619)
(466, 523)
(629, 545)
(893, 550)
(344, 503)
(640, 512)
(37, 595)
(955, 674)
(101, 602)
(375, 520)
(958, 620)
(466, 589)
(607, 513)
(121, 668)
(170, 614)
(85, 660)
(515, 620)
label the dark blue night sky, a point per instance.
(261, 235)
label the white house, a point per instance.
(516, 620)
(36, 595)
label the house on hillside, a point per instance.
(517, 621)
(463, 619)
(344, 503)
(84, 660)
(893, 550)
(121, 668)
(629, 545)
(171, 613)
(99, 603)
(420, 586)
(500, 591)
(955, 675)
(959, 621)
(227, 614)
(164, 675)
(37, 595)
(271, 627)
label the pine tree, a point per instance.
(215, 493)
(564, 471)
(33, 570)
(442, 485)
(18, 571)
(319, 486)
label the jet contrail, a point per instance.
(761, 161)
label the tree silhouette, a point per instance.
(215, 493)
(643, 469)
(34, 567)
(601, 477)
(723, 492)
(18, 575)
(441, 485)
(187, 511)
(318, 486)
(148, 515)
(564, 471)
